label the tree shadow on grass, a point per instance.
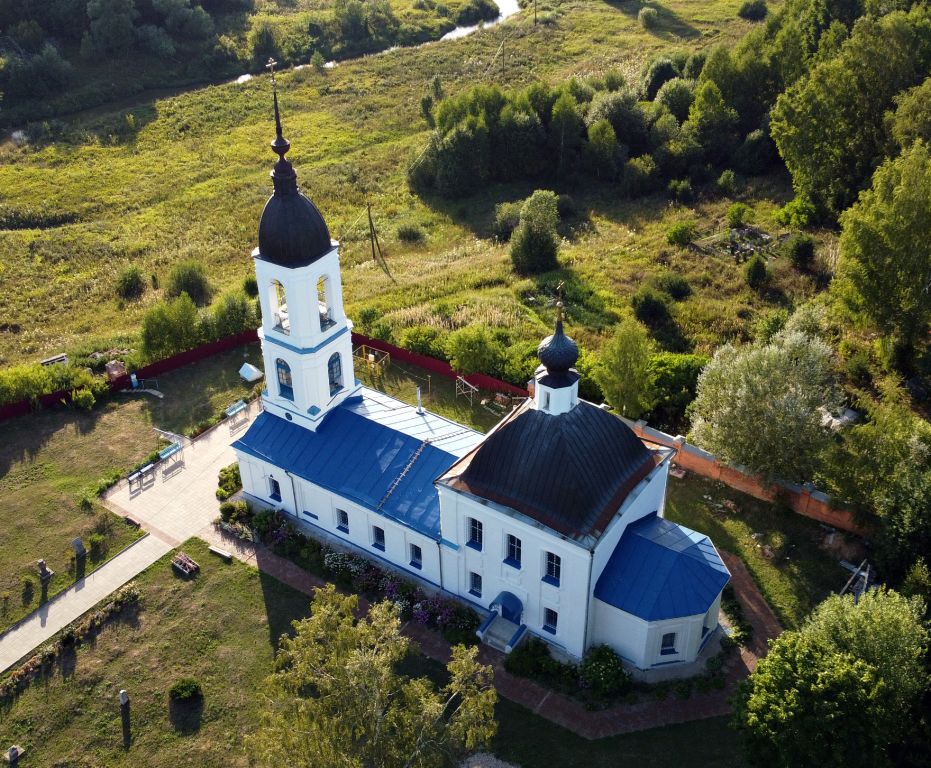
(283, 605)
(186, 715)
(669, 25)
(582, 305)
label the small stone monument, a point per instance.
(78, 546)
(45, 573)
(124, 697)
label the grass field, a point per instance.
(50, 460)
(798, 576)
(221, 628)
(190, 178)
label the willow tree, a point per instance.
(338, 700)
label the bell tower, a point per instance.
(305, 334)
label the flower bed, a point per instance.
(352, 572)
(71, 637)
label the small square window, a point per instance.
(416, 556)
(475, 584)
(342, 520)
(553, 569)
(550, 620)
(378, 538)
(669, 644)
(274, 489)
(513, 555)
(476, 534)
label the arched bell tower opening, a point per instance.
(306, 336)
(278, 301)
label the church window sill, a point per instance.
(275, 497)
(474, 545)
(343, 528)
(548, 628)
(668, 652)
(550, 580)
(379, 547)
(512, 562)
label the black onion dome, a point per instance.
(558, 353)
(292, 232)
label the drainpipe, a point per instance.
(591, 602)
(294, 494)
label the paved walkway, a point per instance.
(179, 504)
(172, 507)
(559, 709)
(66, 606)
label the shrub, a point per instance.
(507, 217)
(681, 190)
(169, 328)
(474, 350)
(655, 75)
(250, 287)
(737, 215)
(677, 96)
(424, 340)
(232, 314)
(681, 233)
(640, 176)
(798, 213)
(130, 283)
(189, 277)
(474, 11)
(753, 10)
(650, 307)
(83, 398)
(755, 272)
(694, 64)
(186, 689)
(229, 482)
(674, 284)
(727, 182)
(603, 672)
(97, 546)
(648, 18)
(756, 154)
(535, 243)
(410, 233)
(801, 251)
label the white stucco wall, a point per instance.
(324, 505)
(569, 599)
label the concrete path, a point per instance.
(172, 506)
(67, 606)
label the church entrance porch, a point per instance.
(500, 633)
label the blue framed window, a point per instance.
(475, 584)
(550, 620)
(553, 569)
(274, 489)
(335, 372)
(668, 646)
(342, 520)
(476, 534)
(513, 554)
(416, 556)
(285, 382)
(378, 538)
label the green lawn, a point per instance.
(799, 575)
(191, 178)
(50, 460)
(221, 628)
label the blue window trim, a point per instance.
(550, 580)
(416, 564)
(512, 562)
(379, 547)
(668, 652)
(474, 545)
(275, 496)
(550, 629)
(343, 528)
(310, 514)
(472, 590)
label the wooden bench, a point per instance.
(227, 556)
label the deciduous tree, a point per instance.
(623, 369)
(338, 699)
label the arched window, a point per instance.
(335, 370)
(285, 383)
(279, 306)
(324, 303)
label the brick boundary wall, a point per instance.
(805, 499)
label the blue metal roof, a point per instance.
(359, 458)
(660, 570)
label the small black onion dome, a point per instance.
(558, 353)
(292, 232)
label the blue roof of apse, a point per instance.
(359, 458)
(660, 570)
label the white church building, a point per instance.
(551, 524)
